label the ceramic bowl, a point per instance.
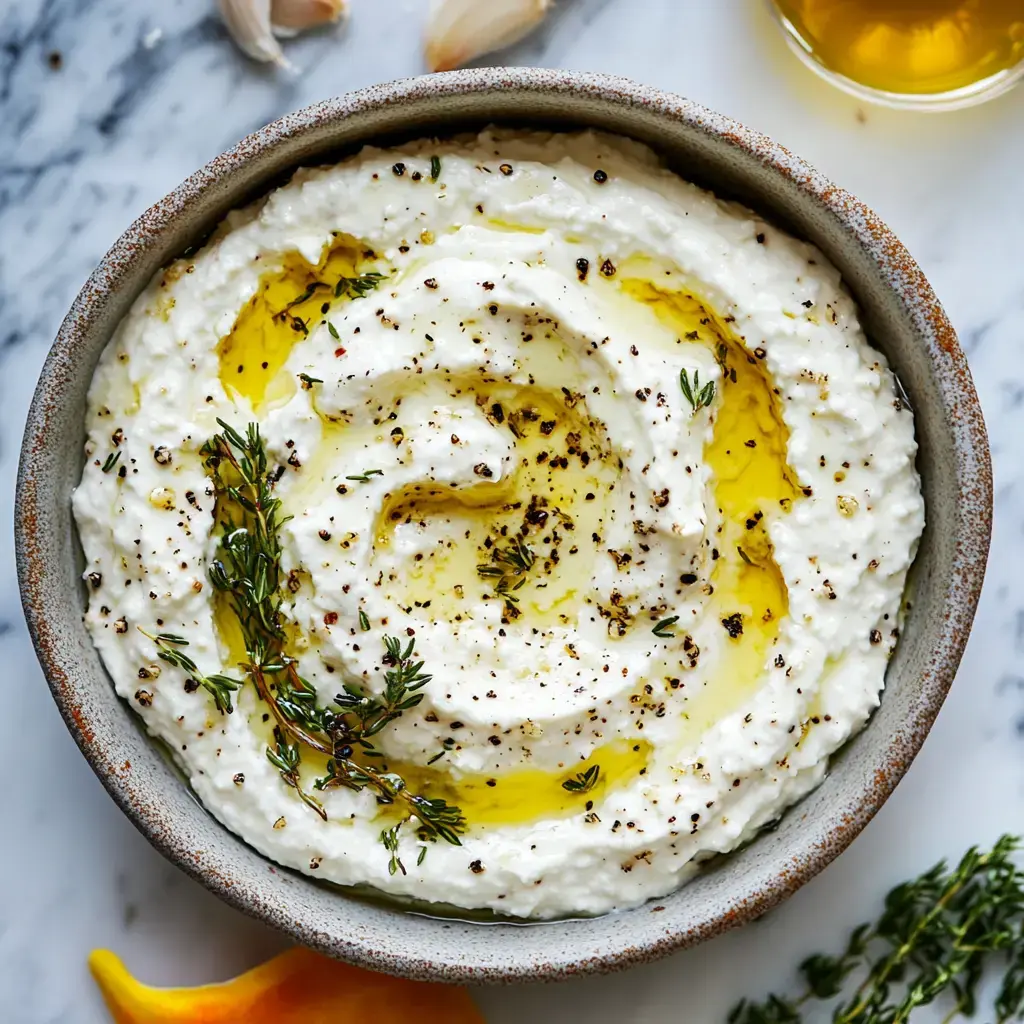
(901, 315)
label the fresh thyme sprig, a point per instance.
(357, 287)
(509, 567)
(402, 681)
(351, 287)
(584, 781)
(693, 392)
(389, 838)
(935, 937)
(169, 649)
(248, 575)
(285, 757)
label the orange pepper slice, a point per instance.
(295, 987)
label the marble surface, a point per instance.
(146, 93)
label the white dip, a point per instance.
(516, 373)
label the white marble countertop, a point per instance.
(131, 111)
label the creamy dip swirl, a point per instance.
(514, 378)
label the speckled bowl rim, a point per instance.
(640, 935)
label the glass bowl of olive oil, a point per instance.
(921, 54)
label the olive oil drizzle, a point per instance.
(752, 483)
(288, 303)
(554, 500)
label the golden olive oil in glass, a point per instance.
(911, 52)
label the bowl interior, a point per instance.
(900, 314)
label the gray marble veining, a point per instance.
(107, 104)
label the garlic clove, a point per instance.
(459, 30)
(248, 22)
(291, 16)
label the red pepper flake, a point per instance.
(339, 352)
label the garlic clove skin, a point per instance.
(248, 22)
(289, 17)
(459, 30)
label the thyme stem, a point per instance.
(248, 574)
(936, 935)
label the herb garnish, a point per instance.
(584, 781)
(285, 757)
(308, 293)
(663, 629)
(308, 382)
(934, 938)
(333, 331)
(509, 569)
(402, 681)
(357, 287)
(435, 168)
(111, 461)
(697, 396)
(389, 837)
(365, 476)
(248, 574)
(169, 649)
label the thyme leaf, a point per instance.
(663, 629)
(435, 168)
(308, 293)
(111, 461)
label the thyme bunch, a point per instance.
(247, 572)
(935, 937)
